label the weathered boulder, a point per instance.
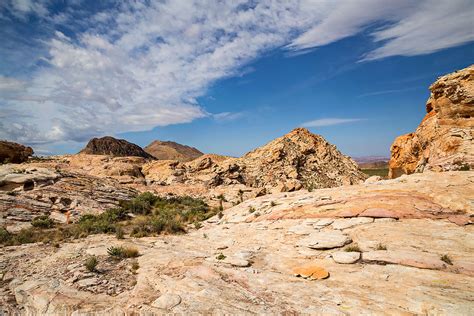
(444, 139)
(14, 153)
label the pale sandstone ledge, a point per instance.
(399, 271)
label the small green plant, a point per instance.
(446, 259)
(257, 214)
(122, 252)
(91, 264)
(241, 195)
(197, 225)
(251, 209)
(5, 236)
(119, 234)
(220, 215)
(135, 266)
(381, 246)
(352, 248)
(220, 256)
(42, 221)
(204, 235)
(273, 203)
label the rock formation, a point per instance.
(296, 160)
(167, 150)
(334, 251)
(14, 153)
(28, 191)
(444, 139)
(113, 147)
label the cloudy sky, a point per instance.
(224, 76)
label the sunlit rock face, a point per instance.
(444, 139)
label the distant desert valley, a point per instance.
(291, 227)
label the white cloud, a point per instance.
(409, 27)
(330, 122)
(133, 66)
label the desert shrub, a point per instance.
(119, 234)
(24, 236)
(251, 209)
(446, 259)
(273, 203)
(220, 256)
(5, 236)
(142, 204)
(91, 263)
(352, 248)
(380, 246)
(42, 221)
(122, 252)
(197, 225)
(135, 265)
(220, 215)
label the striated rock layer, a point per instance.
(444, 139)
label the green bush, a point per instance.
(446, 259)
(91, 263)
(220, 256)
(122, 252)
(5, 236)
(352, 248)
(42, 221)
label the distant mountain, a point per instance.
(167, 150)
(114, 147)
(372, 162)
(296, 160)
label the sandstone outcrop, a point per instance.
(27, 192)
(113, 147)
(14, 153)
(263, 270)
(296, 160)
(167, 150)
(445, 138)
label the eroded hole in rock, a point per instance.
(65, 201)
(28, 185)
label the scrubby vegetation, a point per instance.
(145, 215)
(122, 252)
(446, 259)
(91, 263)
(352, 248)
(42, 221)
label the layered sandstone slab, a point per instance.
(445, 138)
(269, 269)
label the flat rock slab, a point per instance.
(325, 240)
(422, 260)
(167, 301)
(379, 213)
(346, 257)
(302, 229)
(343, 223)
(236, 262)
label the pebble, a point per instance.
(345, 257)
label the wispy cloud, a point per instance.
(228, 116)
(131, 66)
(330, 122)
(382, 92)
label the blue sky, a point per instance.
(224, 77)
